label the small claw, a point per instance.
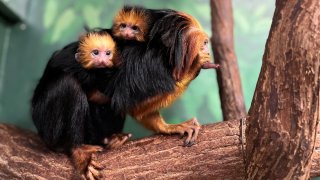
(96, 165)
(89, 176)
(82, 157)
(96, 174)
(83, 177)
(189, 135)
(116, 140)
(190, 143)
(191, 129)
(185, 144)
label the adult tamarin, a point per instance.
(152, 76)
(65, 118)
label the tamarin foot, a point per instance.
(82, 159)
(116, 140)
(156, 123)
(190, 128)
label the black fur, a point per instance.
(143, 74)
(63, 116)
(60, 110)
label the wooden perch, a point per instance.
(285, 109)
(228, 76)
(218, 154)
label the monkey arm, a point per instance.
(155, 122)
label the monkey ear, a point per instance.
(77, 56)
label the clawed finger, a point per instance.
(89, 176)
(117, 140)
(192, 131)
(94, 171)
(96, 165)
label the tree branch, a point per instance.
(228, 76)
(217, 154)
(285, 110)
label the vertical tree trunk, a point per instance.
(228, 75)
(285, 109)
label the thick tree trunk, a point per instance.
(232, 101)
(285, 109)
(217, 155)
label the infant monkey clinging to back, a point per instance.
(131, 23)
(135, 22)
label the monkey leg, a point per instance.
(155, 122)
(116, 140)
(82, 159)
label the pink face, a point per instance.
(205, 49)
(101, 58)
(129, 31)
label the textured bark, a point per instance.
(218, 155)
(285, 109)
(231, 95)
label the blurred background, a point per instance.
(31, 30)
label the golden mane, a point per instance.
(135, 17)
(91, 41)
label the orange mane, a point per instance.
(189, 40)
(194, 38)
(134, 16)
(92, 41)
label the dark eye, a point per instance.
(122, 25)
(206, 42)
(108, 53)
(95, 52)
(135, 28)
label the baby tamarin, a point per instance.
(131, 23)
(96, 50)
(135, 22)
(62, 111)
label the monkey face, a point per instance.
(205, 47)
(101, 58)
(96, 51)
(129, 31)
(205, 58)
(130, 24)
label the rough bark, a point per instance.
(218, 155)
(231, 95)
(285, 109)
